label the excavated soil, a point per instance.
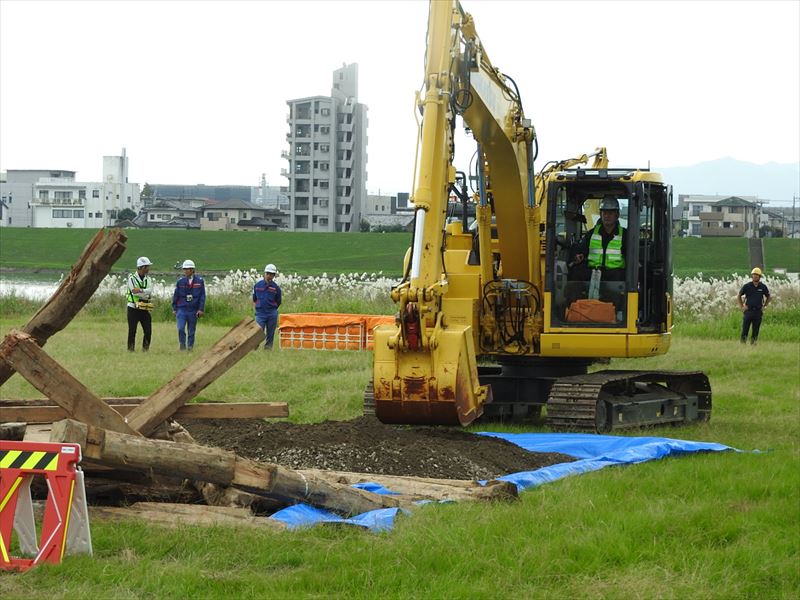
(365, 445)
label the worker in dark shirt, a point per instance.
(756, 300)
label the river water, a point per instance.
(27, 287)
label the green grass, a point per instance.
(214, 251)
(779, 325)
(716, 256)
(782, 253)
(699, 526)
(317, 253)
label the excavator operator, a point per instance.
(604, 245)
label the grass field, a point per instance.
(317, 253)
(214, 251)
(698, 526)
(782, 253)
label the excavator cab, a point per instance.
(627, 293)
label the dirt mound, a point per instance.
(365, 445)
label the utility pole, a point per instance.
(794, 214)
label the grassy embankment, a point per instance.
(699, 526)
(317, 253)
(213, 251)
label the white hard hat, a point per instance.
(188, 264)
(143, 261)
(609, 203)
(270, 268)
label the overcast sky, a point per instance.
(196, 91)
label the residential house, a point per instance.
(239, 215)
(721, 216)
(171, 214)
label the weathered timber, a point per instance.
(216, 466)
(54, 381)
(424, 488)
(229, 350)
(206, 410)
(185, 514)
(83, 280)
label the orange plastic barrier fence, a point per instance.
(329, 331)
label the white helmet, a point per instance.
(143, 261)
(270, 268)
(188, 264)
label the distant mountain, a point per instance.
(728, 176)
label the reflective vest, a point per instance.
(137, 283)
(613, 258)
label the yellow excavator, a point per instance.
(503, 316)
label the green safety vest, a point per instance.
(140, 283)
(613, 258)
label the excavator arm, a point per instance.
(425, 366)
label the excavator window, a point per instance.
(585, 293)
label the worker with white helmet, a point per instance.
(188, 304)
(756, 300)
(603, 247)
(267, 298)
(139, 305)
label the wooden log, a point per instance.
(229, 350)
(12, 431)
(83, 280)
(424, 488)
(206, 410)
(216, 466)
(185, 514)
(20, 351)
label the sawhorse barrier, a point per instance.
(65, 524)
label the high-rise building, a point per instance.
(328, 157)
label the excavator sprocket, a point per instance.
(608, 400)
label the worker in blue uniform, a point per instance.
(266, 299)
(188, 304)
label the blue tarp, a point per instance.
(592, 451)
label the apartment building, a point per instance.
(327, 157)
(54, 198)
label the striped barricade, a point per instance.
(65, 524)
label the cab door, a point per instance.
(653, 244)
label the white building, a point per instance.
(53, 198)
(328, 157)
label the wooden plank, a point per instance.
(212, 410)
(37, 433)
(185, 514)
(229, 350)
(8, 402)
(216, 466)
(83, 280)
(424, 488)
(20, 351)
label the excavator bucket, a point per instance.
(434, 386)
